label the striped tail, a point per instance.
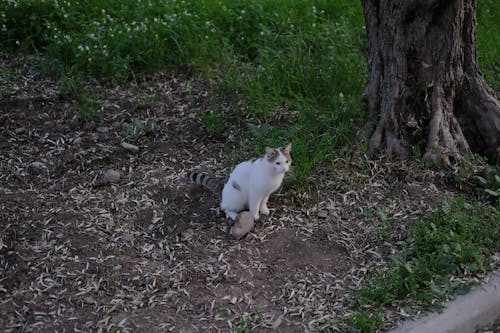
(213, 184)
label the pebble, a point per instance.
(20, 130)
(102, 129)
(243, 224)
(187, 234)
(130, 147)
(89, 300)
(322, 214)
(38, 166)
(78, 140)
(111, 176)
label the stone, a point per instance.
(102, 129)
(20, 130)
(111, 176)
(78, 140)
(37, 167)
(243, 224)
(130, 147)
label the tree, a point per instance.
(425, 81)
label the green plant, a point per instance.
(489, 181)
(456, 239)
(383, 224)
(89, 108)
(366, 322)
(215, 123)
(136, 129)
(8, 82)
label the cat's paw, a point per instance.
(264, 210)
(255, 216)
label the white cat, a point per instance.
(251, 182)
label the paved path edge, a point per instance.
(464, 314)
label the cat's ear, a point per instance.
(269, 152)
(287, 148)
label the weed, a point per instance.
(223, 313)
(366, 322)
(137, 129)
(89, 108)
(489, 181)
(242, 327)
(384, 223)
(8, 82)
(456, 239)
(215, 123)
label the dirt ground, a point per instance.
(150, 253)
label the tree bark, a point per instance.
(425, 82)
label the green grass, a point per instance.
(456, 239)
(8, 81)
(304, 59)
(307, 58)
(488, 41)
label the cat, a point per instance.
(250, 183)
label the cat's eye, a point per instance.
(278, 163)
(287, 162)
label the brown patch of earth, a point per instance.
(150, 253)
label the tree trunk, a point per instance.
(424, 81)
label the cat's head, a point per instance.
(279, 159)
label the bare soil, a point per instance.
(150, 253)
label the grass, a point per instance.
(457, 239)
(305, 58)
(293, 71)
(488, 39)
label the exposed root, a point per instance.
(446, 142)
(481, 109)
(384, 139)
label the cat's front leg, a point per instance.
(254, 205)
(263, 206)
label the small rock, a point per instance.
(89, 300)
(187, 234)
(20, 130)
(111, 176)
(130, 147)
(78, 140)
(37, 166)
(322, 214)
(102, 129)
(277, 322)
(243, 224)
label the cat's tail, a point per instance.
(213, 184)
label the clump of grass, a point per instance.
(489, 182)
(457, 239)
(8, 81)
(488, 39)
(136, 129)
(366, 321)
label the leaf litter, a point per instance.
(148, 251)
